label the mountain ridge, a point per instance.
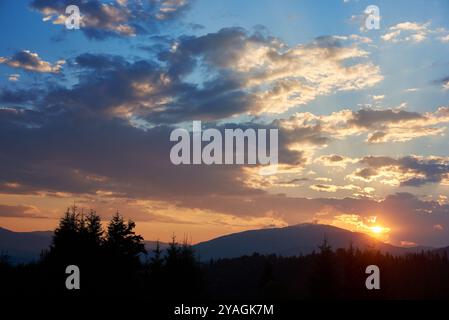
(23, 247)
(292, 240)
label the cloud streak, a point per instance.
(30, 61)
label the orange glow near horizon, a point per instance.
(368, 225)
(379, 231)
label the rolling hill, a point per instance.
(23, 247)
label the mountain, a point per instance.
(23, 247)
(290, 241)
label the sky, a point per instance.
(362, 113)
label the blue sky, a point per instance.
(362, 113)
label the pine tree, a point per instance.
(66, 239)
(323, 279)
(122, 239)
(156, 260)
(94, 228)
(172, 253)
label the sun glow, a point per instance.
(379, 230)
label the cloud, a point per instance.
(274, 76)
(74, 154)
(444, 39)
(407, 32)
(68, 151)
(334, 188)
(19, 211)
(243, 74)
(335, 160)
(31, 61)
(119, 18)
(14, 77)
(411, 171)
(378, 97)
(170, 9)
(18, 96)
(414, 32)
(381, 125)
(443, 82)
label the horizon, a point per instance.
(372, 236)
(362, 113)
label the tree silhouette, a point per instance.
(155, 272)
(323, 280)
(182, 274)
(122, 240)
(94, 229)
(123, 249)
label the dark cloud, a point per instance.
(369, 118)
(30, 61)
(100, 61)
(101, 20)
(142, 88)
(70, 152)
(18, 96)
(75, 154)
(412, 170)
(220, 49)
(334, 158)
(441, 81)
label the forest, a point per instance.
(113, 262)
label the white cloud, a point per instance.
(407, 32)
(14, 77)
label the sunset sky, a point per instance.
(86, 115)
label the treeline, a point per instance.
(330, 274)
(113, 262)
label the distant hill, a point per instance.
(290, 241)
(23, 246)
(151, 245)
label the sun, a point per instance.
(379, 232)
(377, 229)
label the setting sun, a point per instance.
(378, 230)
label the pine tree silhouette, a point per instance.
(323, 281)
(123, 249)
